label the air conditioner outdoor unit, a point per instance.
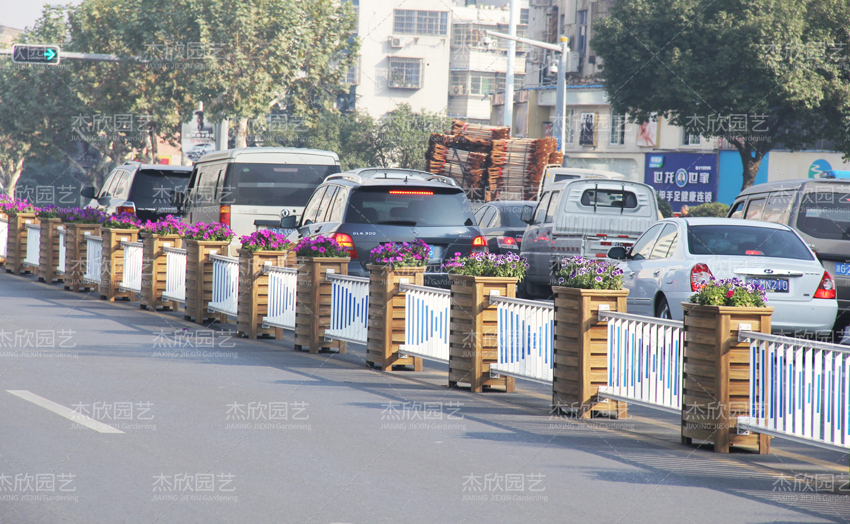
(457, 90)
(396, 42)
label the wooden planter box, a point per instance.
(112, 268)
(48, 257)
(75, 255)
(253, 301)
(199, 269)
(313, 295)
(153, 269)
(16, 250)
(716, 372)
(472, 336)
(580, 352)
(386, 315)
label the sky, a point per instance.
(20, 14)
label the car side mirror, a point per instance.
(527, 214)
(87, 192)
(617, 253)
(289, 222)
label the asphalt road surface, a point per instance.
(113, 414)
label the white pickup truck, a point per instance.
(582, 217)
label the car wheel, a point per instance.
(662, 309)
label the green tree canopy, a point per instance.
(754, 72)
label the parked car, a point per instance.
(582, 217)
(501, 224)
(143, 189)
(819, 211)
(248, 188)
(675, 255)
(363, 208)
(553, 173)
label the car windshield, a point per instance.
(737, 240)
(153, 187)
(826, 213)
(275, 184)
(409, 206)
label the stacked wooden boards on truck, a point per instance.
(488, 164)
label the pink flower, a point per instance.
(730, 293)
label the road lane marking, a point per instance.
(61, 410)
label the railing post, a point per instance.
(313, 314)
(386, 309)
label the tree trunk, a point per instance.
(12, 169)
(154, 150)
(750, 159)
(241, 132)
(751, 169)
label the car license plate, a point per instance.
(773, 285)
(283, 231)
(842, 268)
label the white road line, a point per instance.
(61, 410)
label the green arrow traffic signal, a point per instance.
(35, 54)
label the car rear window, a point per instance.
(409, 206)
(736, 240)
(609, 198)
(274, 184)
(825, 213)
(511, 217)
(153, 187)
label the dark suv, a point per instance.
(143, 189)
(367, 207)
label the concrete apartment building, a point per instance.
(404, 55)
(479, 62)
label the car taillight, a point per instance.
(826, 288)
(507, 242)
(479, 245)
(224, 215)
(126, 207)
(347, 243)
(699, 273)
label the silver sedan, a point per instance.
(672, 257)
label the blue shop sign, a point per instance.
(683, 178)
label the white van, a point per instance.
(249, 188)
(553, 173)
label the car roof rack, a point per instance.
(367, 173)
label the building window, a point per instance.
(523, 16)
(482, 83)
(352, 76)
(409, 22)
(581, 21)
(459, 84)
(689, 139)
(569, 115)
(405, 73)
(618, 130)
(500, 81)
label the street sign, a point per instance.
(35, 54)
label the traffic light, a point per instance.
(35, 54)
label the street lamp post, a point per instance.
(564, 49)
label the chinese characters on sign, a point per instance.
(683, 178)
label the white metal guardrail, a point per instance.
(525, 337)
(349, 308)
(131, 278)
(94, 254)
(644, 360)
(225, 285)
(426, 322)
(799, 390)
(60, 268)
(175, 274)
(33, 245)
(281, 308)
(4, 236)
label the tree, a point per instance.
(401, 136)
(711, 209)
(257, 54)
(749, 71)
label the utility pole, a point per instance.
(509, 75)
(561, 99)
